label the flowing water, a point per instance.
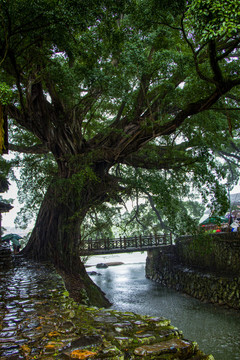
(215, 329)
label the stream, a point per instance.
(216, 329)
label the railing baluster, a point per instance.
(124, 242)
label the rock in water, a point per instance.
(101, 266)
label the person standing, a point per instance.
(16, 245)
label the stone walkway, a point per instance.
(38, 320)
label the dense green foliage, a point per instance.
(214, 19)
(132, 98)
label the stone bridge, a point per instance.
(125, 244)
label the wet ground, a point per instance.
(27, 298)
(38, 320)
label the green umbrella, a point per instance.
(215, 220)
(12, 237)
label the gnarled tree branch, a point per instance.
(35, 149)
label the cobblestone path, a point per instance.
(38, 320)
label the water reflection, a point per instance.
(216, 330)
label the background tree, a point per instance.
(105, 92)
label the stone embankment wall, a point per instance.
(205, 267)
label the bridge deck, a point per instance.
(125, 244)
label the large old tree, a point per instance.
(100, 87)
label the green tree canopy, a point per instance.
(112, 99)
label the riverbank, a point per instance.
(40, 321)
(203, 266)
(215, 328)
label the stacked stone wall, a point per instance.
(208, 271)
(219, 253)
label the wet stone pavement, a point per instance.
(38, 320)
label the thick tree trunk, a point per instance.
(55, 238)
